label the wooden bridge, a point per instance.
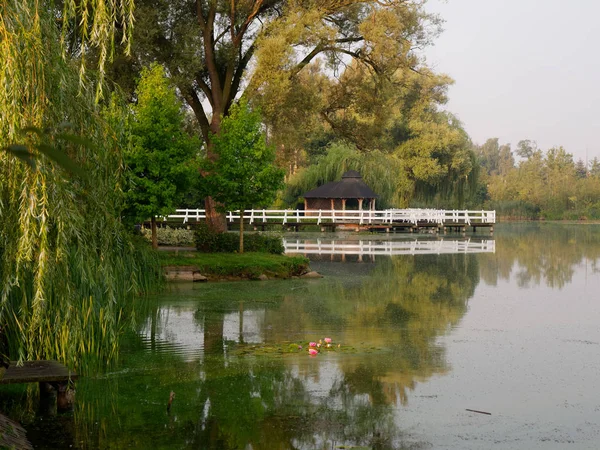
(386, 220)
(374, 248)
(52, 376)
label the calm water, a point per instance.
(423, 338)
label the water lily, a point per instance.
(312, 351)
(328, 340)
(312, 344)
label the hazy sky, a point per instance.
(524, 69)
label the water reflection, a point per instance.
(390, 319)
(340, 248)
(424, 341)
(537, 254)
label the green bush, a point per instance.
(263, 244)
(210, 242)
(176, 237)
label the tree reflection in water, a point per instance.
(392, 316)
(536, 253)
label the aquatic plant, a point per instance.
(313, 348)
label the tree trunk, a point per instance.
(154, 233)
(242, 231)
(215, 220)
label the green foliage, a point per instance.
(515, 209)
(239, 265)
(243, 174)
(25, 35)
(382, 96)
(69, 270)
(437, 160)
(161, 157)
(379, 171)
(171, 236)
(548, 185)
(278, 39)
(210, 241)
(396, 121)
(495, 158)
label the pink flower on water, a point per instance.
(299, 347)
(312, 351)
(312, 344)
(328, 340)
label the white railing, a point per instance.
(361, 217)
(412, 247)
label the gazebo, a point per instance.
(349, 193)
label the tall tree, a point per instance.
(489, 155)
(243, 175)
(581, 169)
(381, 171)
(595, 167)
(506, 160)
(161, 156)
(208, 46)
(438, 159)
(526, 148)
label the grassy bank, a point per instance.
(237, 266)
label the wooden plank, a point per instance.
(12, 435)
(37, 371)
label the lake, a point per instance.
(507, 326)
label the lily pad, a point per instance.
(287, 348)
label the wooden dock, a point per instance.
(52, 376)
(12, 435)
(388, 220)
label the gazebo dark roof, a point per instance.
(351, 186)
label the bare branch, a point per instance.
(194, 101)
(200, 14)
(255, 10)
(307, 59)
(239, 73)
(205, 88)
(223, 33)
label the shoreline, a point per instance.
(186, 264)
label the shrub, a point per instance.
(209, 241)
(176, 237)
(264, 244)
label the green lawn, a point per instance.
(245, 265)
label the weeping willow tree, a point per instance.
(66, 263)
(391, 176)
(379, 170)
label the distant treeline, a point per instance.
(539, 184)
